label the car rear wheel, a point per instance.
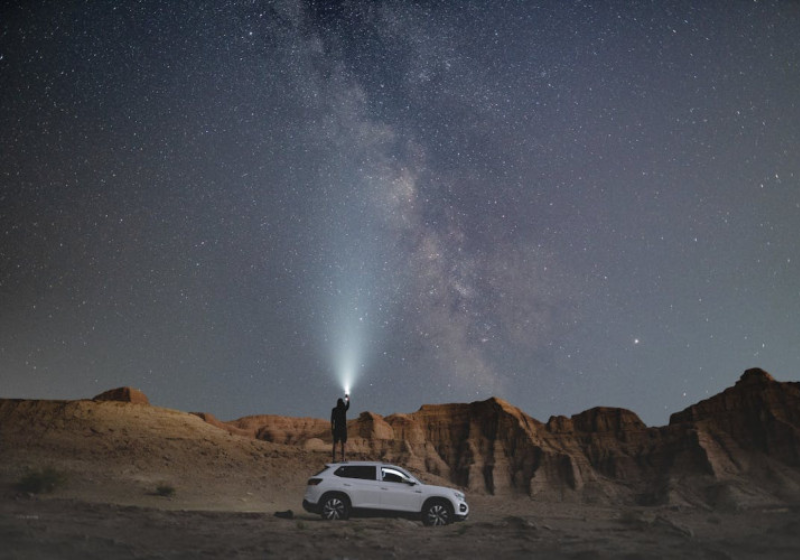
(335, 506)
(437, 512)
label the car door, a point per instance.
(361, 484)
(398, 491)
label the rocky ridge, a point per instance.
(739, 447)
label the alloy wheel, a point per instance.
(437, 514)
(334, 508)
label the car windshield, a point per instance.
(409, 475)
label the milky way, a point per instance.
(563, 204)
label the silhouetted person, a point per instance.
(339, 424)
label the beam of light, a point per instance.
(350, 323)
(348, 349)
(354, 307)
(358, 243)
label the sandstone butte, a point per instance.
(123, 394)
(738, 448)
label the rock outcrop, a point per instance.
(758, 414)
(123, 394)
(271, 427)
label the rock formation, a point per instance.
(123, 394)
(758, 414)
(740, 448)
(742, 445)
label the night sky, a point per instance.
(232, 205)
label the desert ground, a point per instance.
(59, 527)
(227, 489)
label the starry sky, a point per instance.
(233, 205)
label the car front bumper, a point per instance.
(463, 512)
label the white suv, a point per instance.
(341, 488)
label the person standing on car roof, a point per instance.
(339, 424)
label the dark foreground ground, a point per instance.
(54, 528)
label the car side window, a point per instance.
(365, 472)
(390, 475)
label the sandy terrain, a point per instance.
(70, 528)
(228, 488)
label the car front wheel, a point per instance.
(335, 506)
(437, 513)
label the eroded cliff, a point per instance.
(742, 445)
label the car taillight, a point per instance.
(314, 481)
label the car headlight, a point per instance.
(459, 495)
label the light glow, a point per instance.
(353, 297)
(347, 353)
(348, 336)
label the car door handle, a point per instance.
(384, 488)
(348, 485)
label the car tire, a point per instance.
(437, 512)
(335, 506)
